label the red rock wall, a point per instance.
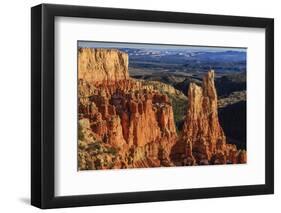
(127, 123)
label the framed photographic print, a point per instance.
(139, 106)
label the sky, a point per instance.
(93, 44)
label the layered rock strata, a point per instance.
(132, 118)
(102, 65)
(129, 123)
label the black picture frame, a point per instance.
(43, 102)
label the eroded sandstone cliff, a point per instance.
(102, 65)
(128, 123)
(121, 113)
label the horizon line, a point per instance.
(175, 47)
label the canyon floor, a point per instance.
(130, 117)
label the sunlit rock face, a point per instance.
(202, 133)
(102, 65)
(129, 123)
(125, 114)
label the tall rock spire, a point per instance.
(201, 125)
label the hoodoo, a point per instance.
(202, 134)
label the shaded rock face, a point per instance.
(203, 139)
(233, 120)
(129, 123)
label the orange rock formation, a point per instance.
(99, 65)
(125, 123)
(123, 113)
(203, 140)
